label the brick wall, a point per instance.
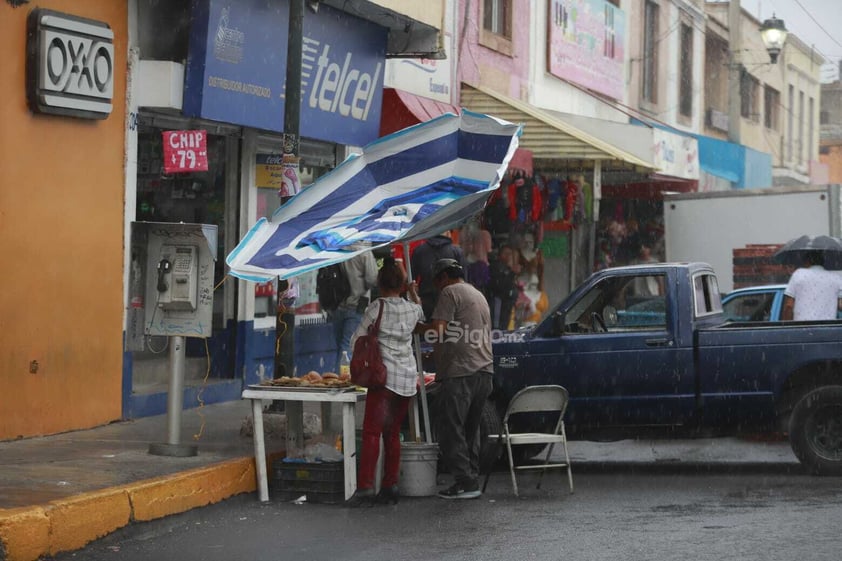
(753, 266)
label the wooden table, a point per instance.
(294, 400)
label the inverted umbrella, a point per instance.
(795, 251)
(410, 185)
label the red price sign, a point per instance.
(185, 151)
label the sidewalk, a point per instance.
(60, 492)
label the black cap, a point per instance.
(443, 265)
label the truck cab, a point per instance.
(621, 345)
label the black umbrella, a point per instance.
(795, 251)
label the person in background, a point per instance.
(386, 408)
(424, 258)
(813, 292)
(502, 291)
(361, 271)
(650, 285)
(461, 332)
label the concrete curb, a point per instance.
(29, 533)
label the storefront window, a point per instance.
(301, 296)
(196, 198)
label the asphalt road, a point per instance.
(647, 515)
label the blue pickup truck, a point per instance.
(636, 358)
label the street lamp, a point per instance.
(773, 33)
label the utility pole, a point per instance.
(285, 318)
(734, 70)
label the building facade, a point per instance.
(206, 71)
(62, 207)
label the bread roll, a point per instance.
(312, 377)
(330, 376)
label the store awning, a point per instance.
(402, 109)
(548, 136)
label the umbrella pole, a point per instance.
(423, 387)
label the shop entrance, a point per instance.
(198, 198)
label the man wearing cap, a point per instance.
(461, 332)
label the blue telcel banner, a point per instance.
(236, 69)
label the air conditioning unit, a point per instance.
(716, 119)
(160, 84)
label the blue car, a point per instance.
(756, 303)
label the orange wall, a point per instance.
(833, 159)
(61, 234)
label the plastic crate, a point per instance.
(322, 482)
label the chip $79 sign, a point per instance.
(185, 151)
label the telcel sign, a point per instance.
(70, 65)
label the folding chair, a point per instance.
(535, 399)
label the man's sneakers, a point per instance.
(461, 491)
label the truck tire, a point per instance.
(815, 430)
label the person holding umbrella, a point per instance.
(813, 292)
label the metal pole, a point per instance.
(175, 405)
(175, 399)
(418, 359)
(596, 187)
(285, 361)
(734, 70)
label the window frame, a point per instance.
(649, 63)
(749, 97)
(771, 107)
(497, 39)
(706, 287)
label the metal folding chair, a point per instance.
(536, 399)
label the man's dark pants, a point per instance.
(459, 413)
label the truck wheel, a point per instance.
(489, 452)
(815, 430)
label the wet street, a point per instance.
(650, 514)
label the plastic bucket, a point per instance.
(419, 461)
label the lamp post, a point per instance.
(773, 33)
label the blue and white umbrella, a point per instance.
(407, 186)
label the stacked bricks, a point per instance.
(754, 266)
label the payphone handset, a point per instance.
(178, 271)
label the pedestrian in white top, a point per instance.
(813, 292)
(386, 408)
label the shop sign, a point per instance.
(421, 76)
(586, 44)
(69, 65)
(185, 151)
(236, 69)
(675, 155)
(279, 172)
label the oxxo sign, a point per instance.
(70, 65)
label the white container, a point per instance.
(419, 462)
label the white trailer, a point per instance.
(709, 226)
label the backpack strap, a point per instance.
(374, 328)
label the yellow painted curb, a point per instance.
(28, 533)
(24, 534)
(80, 519)
(163, 496)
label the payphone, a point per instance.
(178, 270)
(171, 280)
